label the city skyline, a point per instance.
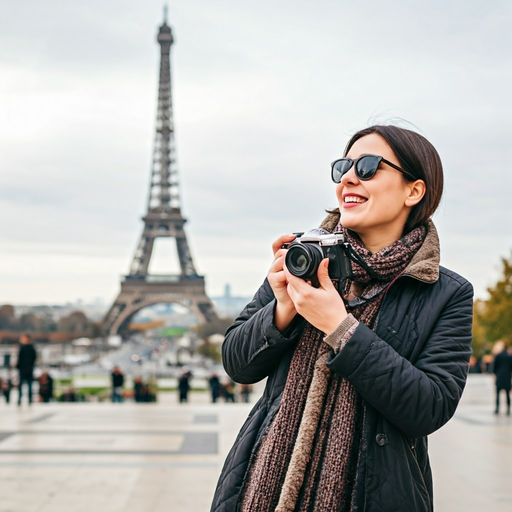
(265, 97)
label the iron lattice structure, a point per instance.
(140, 289)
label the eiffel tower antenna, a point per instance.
(163, 219)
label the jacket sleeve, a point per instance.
(253, 345)
(419, 398)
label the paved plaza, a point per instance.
(166, 457)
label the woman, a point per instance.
(357, 379)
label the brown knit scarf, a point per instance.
(308, 457)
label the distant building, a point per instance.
(94, 311)
(229, 306)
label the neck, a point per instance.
(377, 240)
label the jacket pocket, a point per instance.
(402, 335)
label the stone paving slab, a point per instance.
(167, 456)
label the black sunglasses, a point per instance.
(366, 166)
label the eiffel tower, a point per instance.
(140, 289)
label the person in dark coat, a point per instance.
(503, 371)
(184, 386)
(6, 387)
(45, 387)
(229, 391)
(138, 390)
(215, 387)
(359, 370)
(26, 361)
(245, 392)
(117, 384)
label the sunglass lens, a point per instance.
(339, 168)
(366, 167)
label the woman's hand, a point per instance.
(285, 309)
(322, 307)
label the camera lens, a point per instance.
(302, 260)
(301, 263)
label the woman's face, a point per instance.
(376, 209)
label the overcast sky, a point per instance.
(266, 95)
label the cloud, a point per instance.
(265, 96)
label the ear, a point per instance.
(416, 191)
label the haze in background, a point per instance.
(265, 95)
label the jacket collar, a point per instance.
(424, 265)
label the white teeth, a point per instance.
(354, 199)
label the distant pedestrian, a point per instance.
(503, 372)
(138, 390)
(215, 387)
(117, 384)
(245, 392)
(184, 386)
(25, 365)
(46, 387)
(229, 391)
(69, 396)
(6, 387)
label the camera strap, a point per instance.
(356, 257)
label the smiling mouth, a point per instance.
(354, 199)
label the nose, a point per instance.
(350, 177)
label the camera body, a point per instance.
(308, 249)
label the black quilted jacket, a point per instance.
(410, 372)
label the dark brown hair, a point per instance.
(417, 156)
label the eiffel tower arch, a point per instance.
(163, 219)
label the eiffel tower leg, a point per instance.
(146, 254)
(142, 257)
(113, 314)
(186, 263)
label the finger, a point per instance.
(323, 274)
(291, 293)
(277, 264)
(278, 278)
(279, 253)
(298, 283)
(278, 243)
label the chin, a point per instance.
(347, 221)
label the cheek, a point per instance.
(339, 192)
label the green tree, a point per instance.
(495, 314)
(480, 345)
(210, 350)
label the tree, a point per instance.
(211, 350)
(75, 323)
(30, 322)
(480, 345)
(8, 318)
(494, 315)
(218, 326)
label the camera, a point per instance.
(308, 249)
